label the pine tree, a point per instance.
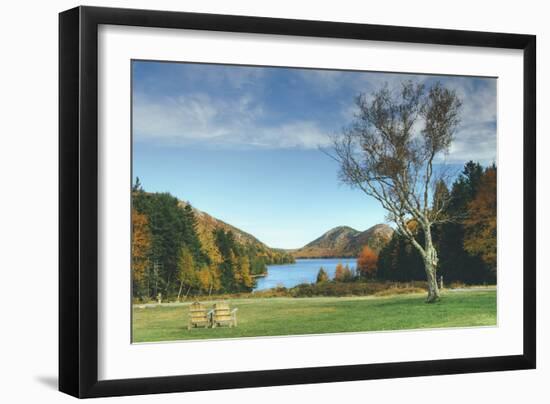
(322, 276)
(137, 186)
(190, 234)
(456, 263)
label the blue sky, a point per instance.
(243, 143)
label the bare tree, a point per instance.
(388, 152)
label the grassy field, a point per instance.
(317, 315)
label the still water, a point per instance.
(302, 271)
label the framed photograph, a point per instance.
(250, 201)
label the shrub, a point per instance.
(399, 291)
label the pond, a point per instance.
(302, 271)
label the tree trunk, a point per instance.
(167, 288)
(187, 294)
(179, 293)
(430, 265)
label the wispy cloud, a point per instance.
(475, 142)
(201, 119)
(237, 77)
(476, 136)
(248, 107)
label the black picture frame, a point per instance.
(78, 201)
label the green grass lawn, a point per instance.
(316, 315)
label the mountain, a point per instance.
(343, 241)
(206, 224)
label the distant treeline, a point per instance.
(466, 246)
(172, 254)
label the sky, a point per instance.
(245, 144)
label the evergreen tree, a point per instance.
(457, 264)
(172, 227)
(322, 276)
(472, 200)
(137, 186)
(190, 234)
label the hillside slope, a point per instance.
(206, 224)
(344, 241)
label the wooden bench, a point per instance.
(199, 316)
(223, 315)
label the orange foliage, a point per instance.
(367, 262)
(481, 224)
(343, 273)
(412, 225)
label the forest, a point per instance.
(177, 255)
(466, 245)
(174, 255)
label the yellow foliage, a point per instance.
(141, 245)
(186, 268)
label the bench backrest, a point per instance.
(198, 313)
(222, 312)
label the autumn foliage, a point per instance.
(367, 262)
(481, 223)
(467, 244)
(179, 252)
(141, 245)
(322, 276)
(343, 273)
